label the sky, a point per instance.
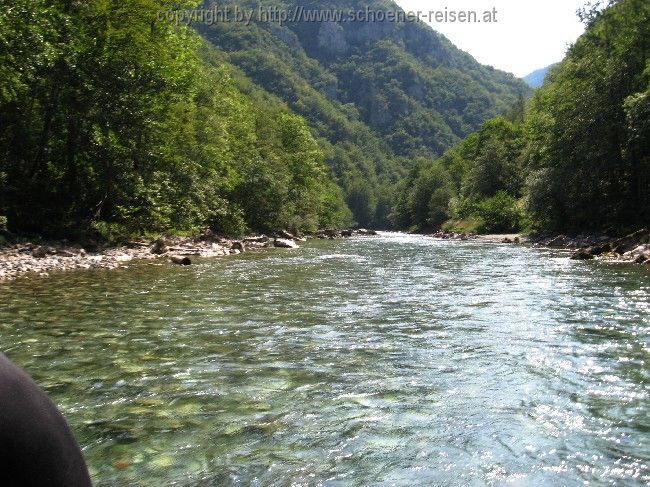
(528, 34)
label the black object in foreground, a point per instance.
(37, 448)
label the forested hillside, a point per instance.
(115, 121)
(576, 158)
(377, 94)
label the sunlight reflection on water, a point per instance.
(393, 360)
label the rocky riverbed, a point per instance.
(634, 247)
(30, 259)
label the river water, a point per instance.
(391, 360)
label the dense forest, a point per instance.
(575, 157)
(115, 121)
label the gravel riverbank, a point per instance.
(40, 260)
(634, 247)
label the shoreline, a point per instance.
(631, 248)
(40, 260)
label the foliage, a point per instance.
(499, 213)
(377, 94)
(587, 149)
(469, 182)
(578, 155)
(120, 123)
(465, 226)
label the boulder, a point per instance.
(286, 235)
(123, 258)
(631, 247)
(40, 252)
(600, 249)
(559, 241)
(285, 243)
(181, 260)
(323, 234)
(260, 239)
(582, 254)
(363, 231)
(237, 245)
(639, 255)
(631, 241)
(159, 247)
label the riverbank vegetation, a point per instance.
(575, 158)
(116, 124)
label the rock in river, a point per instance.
(159, 247)
(285, 243)
(286, 235)
(639, 255)
(582, 255)
(181, 260)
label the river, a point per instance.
(391, 360)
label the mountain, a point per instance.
(537, 77)
(376, 94)
(117, 120)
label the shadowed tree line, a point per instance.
(114, 122)
(575, 157)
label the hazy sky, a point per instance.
(528, 35)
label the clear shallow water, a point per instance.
(394, 360)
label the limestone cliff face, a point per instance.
(331, 38)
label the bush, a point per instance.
(465, 225)
(111, 233)
(500, 213)
(227, 219)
